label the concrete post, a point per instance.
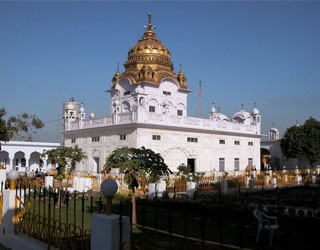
(314, 178)
(191, 188)
(161, 188)
(247, 181)
(105, 232)
(151, 191)
(251, 184)
(274, 182)
(225, 186)
(48, 181)
(8, 210)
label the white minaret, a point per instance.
(213, 113)
(82, 115)
(256, 117)
(70, 113)
(274, 133)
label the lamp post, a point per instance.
(13, 175)
(109, 187)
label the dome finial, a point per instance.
(273, 124)
(218, 109)
(255, 104)
(149, 15)
(213, 109)
(242, 107)
(180, 69)
(118, 67)
(150, 26)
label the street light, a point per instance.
(109, 187)
(13, 175)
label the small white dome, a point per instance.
(255, 111)
(242, 114)
(213, 109)
(92, 115)
(221, 116)
(70, 106)
(274, 129)
(82, 110)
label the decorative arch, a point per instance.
(96, 160)
(155, 103)
(19, 161)
(126, 107)
(185, 151)
(170, 79)
(4, 159)
(35, 161)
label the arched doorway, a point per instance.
(175, 156)
(19, 161)
(265, 158)
(35, 162)
(96, 161)
(4, 159)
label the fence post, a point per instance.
(120, 225)
(170, 220)
(221, 225)
(185, 221)
(143, 213)
(202, 224)
(156, 216)
(49, 219)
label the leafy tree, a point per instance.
(291, 143)
(302, 140)
(24, 123)
(4, 135)
(66, 158)
(311, 140)
(137, 164)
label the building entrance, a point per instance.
(97, 165)
(191, 163)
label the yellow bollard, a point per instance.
(16, 214)
(12, 184)
(109, 204)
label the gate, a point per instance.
(42, 214)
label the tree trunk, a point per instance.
(134, 213)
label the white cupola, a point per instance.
(213, 113)
(82, 114)
(274, 133)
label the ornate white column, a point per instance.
(11, 164)
(27, 157)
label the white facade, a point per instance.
(25, 156)
(151, 113)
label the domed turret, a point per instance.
(274, 133)
(255, 111)
(116, 77)
(221, 116)
(182, 79)
(241, 116)
(213, 109)
(149, 60)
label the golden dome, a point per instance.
(148, 60)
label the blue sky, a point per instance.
(243, 52)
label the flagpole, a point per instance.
(199, 100)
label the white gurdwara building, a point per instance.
(149, 108)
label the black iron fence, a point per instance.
(62, 220)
